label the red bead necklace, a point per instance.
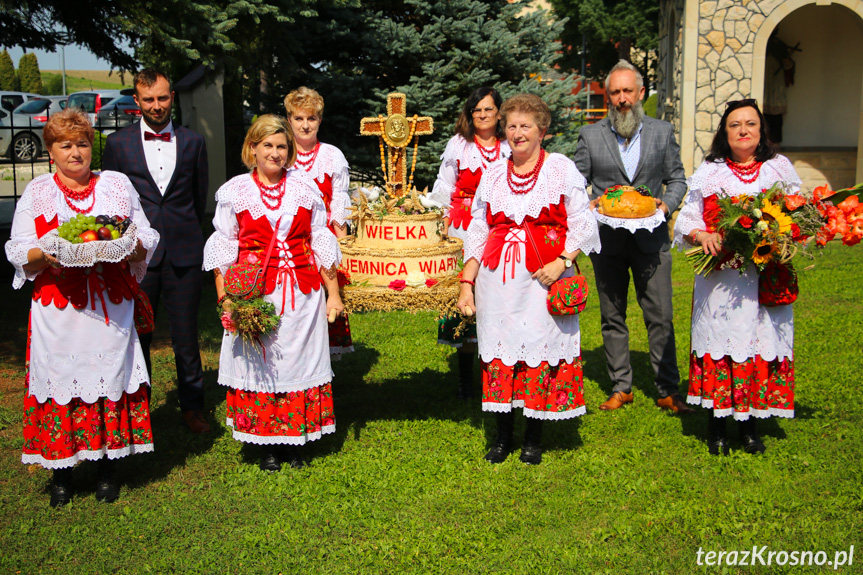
(69, 194)
(307, 164)
(746, 174)
(528, 180)
(266, 191)
(490, 154)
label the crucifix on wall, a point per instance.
(395, 131)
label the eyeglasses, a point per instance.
(741, 103)
(477, 111)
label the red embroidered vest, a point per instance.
(80, 286)
(547, 238)
(300, 269)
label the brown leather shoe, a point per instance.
(618, 399)
(195, 422)
(675, 404)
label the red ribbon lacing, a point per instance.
(513, 252)
(96, 285)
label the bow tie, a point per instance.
(165, 137)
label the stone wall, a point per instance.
(669, 73)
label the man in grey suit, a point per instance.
(627, 148)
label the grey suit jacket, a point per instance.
(598, 159)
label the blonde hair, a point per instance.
(69, 124)
(305, 99)
(264, 127)
(527, 104)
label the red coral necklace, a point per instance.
(307, 164)
(489, 154)
(267, 195)
(528, 180)
(69, 194)
(746, 174)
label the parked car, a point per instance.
(117, 113)
(19, 141)
(11, 100)
(40, 109)
(92, 101)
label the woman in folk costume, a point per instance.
(478, 142)
(87, 381)
(742, 359)
(530, 220)
(279, 391)
(329, 169)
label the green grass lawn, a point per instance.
(401, 487)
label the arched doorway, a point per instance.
(823, 126)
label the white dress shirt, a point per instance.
(161, 156)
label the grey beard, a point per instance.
(626, 124)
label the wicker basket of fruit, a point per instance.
(85, 241)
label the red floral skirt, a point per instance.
(340, 336)
(753, 387)
(293, 417)
(57, 436)
(544, 392)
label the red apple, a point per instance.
(104, 233)
(88, 236)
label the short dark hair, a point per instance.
(149, 76)
(720, 150)
(464, 125)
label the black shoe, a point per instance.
(465, 374)
(716, 442)
(61, 487)
(531, 449)
(269, 459)
(503, 444)
(291, 456)
(107, 488)
(752, 444)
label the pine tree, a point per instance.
(28, 73)
(612, 30)
(436, 52)
(8, 77)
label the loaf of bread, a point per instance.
(627, 202)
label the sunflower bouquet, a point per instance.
(772, 227)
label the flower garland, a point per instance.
(79, 195)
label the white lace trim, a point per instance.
(88, 383)
(338, 350)
(558, 177)
(115, 195)
(496, 407)
(713, 178)
(740, 416)
(279, 387)
(330, 162)
(278, 439)
(464, 155)
(243, 194)
(87, 455)
(631, 224)
(567, 350)
(340, 207)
